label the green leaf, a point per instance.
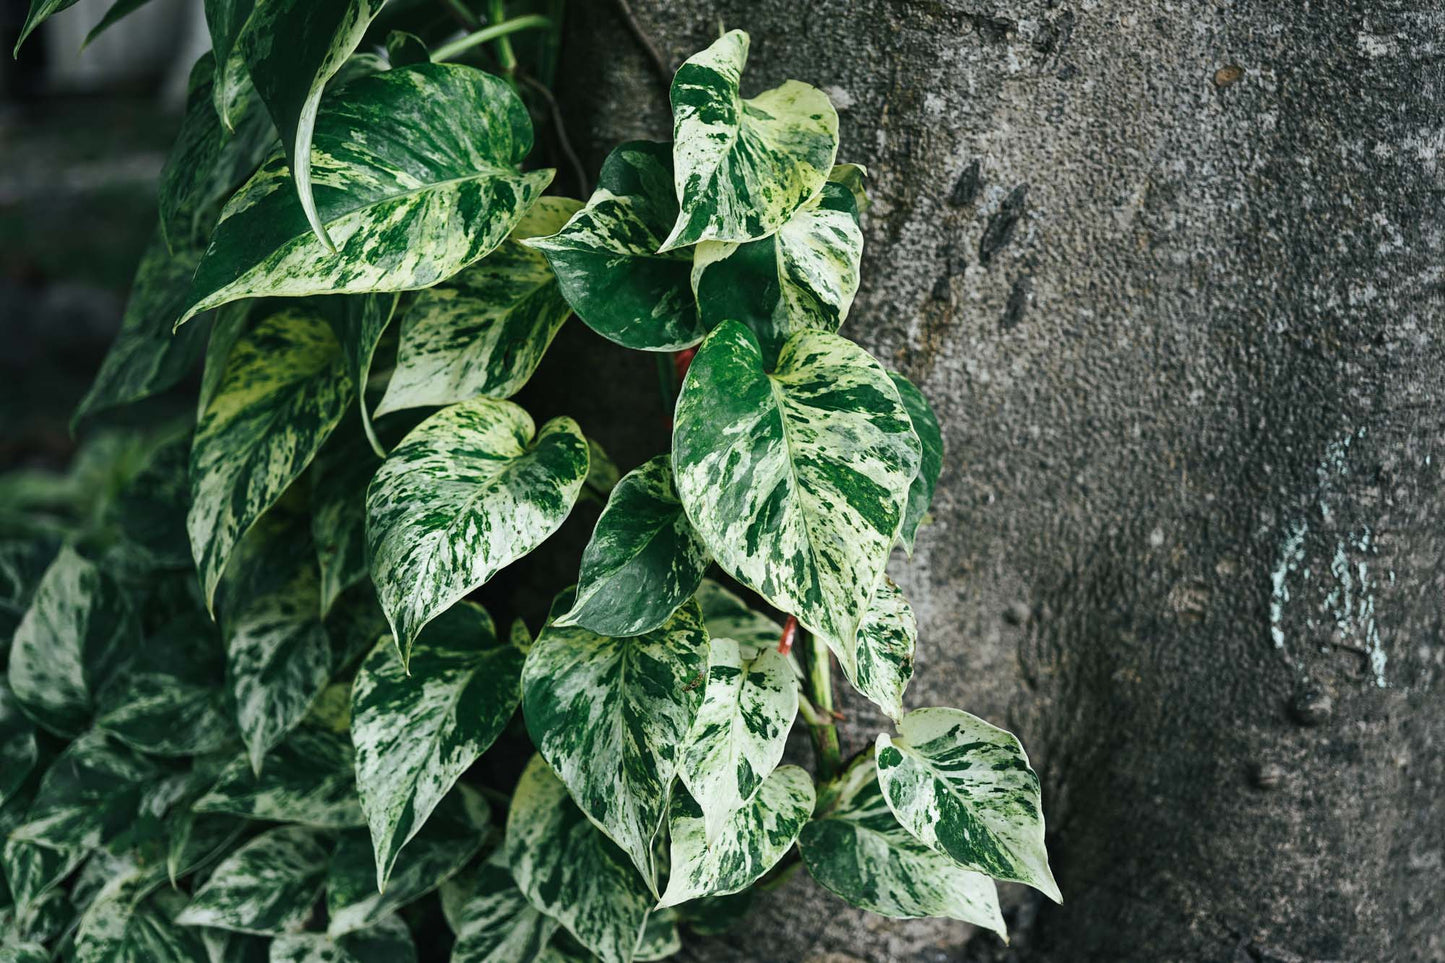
(118, 11)
(660, 936)
(643, 560)
(223, 946)
(857, 849)
(195, 841)
(168, 699)
(452, 836)
(79, 625)
(339, 476)
(611, 715)
(796, 480)
(121, 926)
(852, 177)
(31, 872)
(94, 791)
(23, 563)
(483, 332)
(359, 322)
(232, 321)
(965, 789)
(149, 509)
(743, 166)
(572, 872)
(741, 730)
(389, 941)
(880, 662)
(226, 19)
(606, 257)
(930, 436)
(495, 923)
(470, 490)
(18, 752)
(415, 178)
(266, 887)
(750, 842)
(291, 49)
(40, 11)
(309, 779)
(278, 655)
(25, 952)
(284, 389)
(415, 734)
(404, 49)
(802, 276)
(729, 617)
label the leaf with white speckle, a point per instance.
(267, 887)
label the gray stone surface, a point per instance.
(1171, 275)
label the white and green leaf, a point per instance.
(309, 779)
(495, 923)
(389, 941)
(660, 937)
(267, 887)
(611, 715)
(879, 663)
(121, 926)
(92, 793)
(232, 92)
(339, 476)
(643, 560)
(796, 480)
(930, 436)
(742, 167)
(965, 789)
(729, 617)
(18, 750)
(470, 490)
(750, 842)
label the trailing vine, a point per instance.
(256, 729)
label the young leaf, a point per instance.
(803, 276)
(40, 11)
(643, 560)
(740, 732)
(466, 493)
(606, 257)
(121, 926)
(389, 941)
(483, 332)
(290, 76)
(796, 480)
(18, 751)
(965, 789)
(78, 627)
(729, 617)
(226, 19)
(611, 715)
(339, 476)
(93, 791)
(452, 836)
(751, 841)
(743, 166)
(572, 872)
(415, 734)
(930, 436)
(857, 849)
(852, 177)
(495, 922)
(284, 390)
(309, 779)
(880, 662)
(416, 178)
(266, 887)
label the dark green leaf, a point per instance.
(266, 887)
(387, 942)
(309, 779)
(925, 425)
(495, 923)
(404, 49)
(18, 752)
(92, 793)
(226, 19)
(117, 12)
(339, 476)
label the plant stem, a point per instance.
(451, 50)
(820, 694)
(462, 13)
(370, 430)
(505, 54)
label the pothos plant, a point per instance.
(246, 691)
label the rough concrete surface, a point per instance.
(1171, 275)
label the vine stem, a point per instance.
(486, 34)
(819, 684)
(505, 54)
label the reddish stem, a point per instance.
(790, 629)
(681, 361)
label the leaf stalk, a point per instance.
(461, 45)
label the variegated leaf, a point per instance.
(196, 841)
(797, 479)
(309, 779)
(484, 332)
(857, 849)
(231, 321)
(149, 510)
(24, 952)
(854, 178)
(466, 493)
(284, 390)
(291, 48)
(965, 789)
(495, 923)
(643, 560)
(606, 256)
(167, 700)
(740, 732)
(930, 436)
(602, 472)
(880, 662)
(93, 792)
(23, 563)
(611, 715)
(225, 20)
(77, 629)
(802, 276)
(570, 871)
(404, 49)
(278, 655)
(31, 873)
(266, 887)
(121, 926)
(18, 751)
(743, 166)
(729, 617)
(415, 178)
(751, 841)
(359, 322)
(389, 941)
(416, 733)
(660, 937)
(354, 624)
(451, 837)
(339, 476)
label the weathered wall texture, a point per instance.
(1171, 273)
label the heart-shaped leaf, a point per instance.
(466, 493)
(965, 789)
(611, 715)
(572, 872)
(751, 841)
(495, 922)
(930, 436)
(606, 256)
(742, 167)
(483, 332)
(729, 617)
(796, 480)
(121, 925)
(309, 779)
(267, 887)
(92, 793)
(415, 178)
(857, 849)
(880, 661)
(643, 560)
